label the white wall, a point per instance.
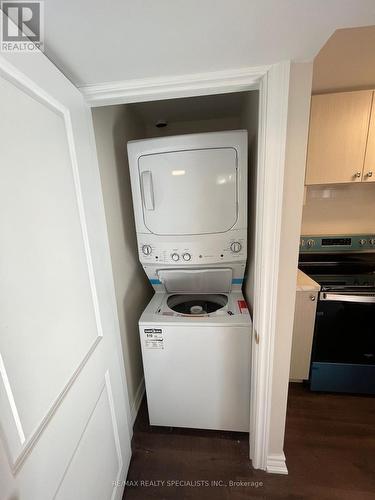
(296, 146)
(114, 126)
(339, 209)
(194, 126)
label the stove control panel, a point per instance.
(337, 243)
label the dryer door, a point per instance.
(189, 192)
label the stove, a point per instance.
(343, 356)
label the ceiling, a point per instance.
(347, 61)
(94, 41)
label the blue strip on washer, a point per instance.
(155, 282)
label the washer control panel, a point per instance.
(193, 252)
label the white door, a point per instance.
(189, 192)
(63, 402)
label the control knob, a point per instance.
(236, 247)
(186, 256)
(362, 242)
(372, 241)
(175, 257)
(310, 243)
(146, 249)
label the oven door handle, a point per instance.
(342, 297)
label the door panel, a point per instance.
(189, 192)
(62, 384)
(369, 168)
(43, 248)
(337, 137)
(87, 461)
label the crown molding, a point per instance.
(172, 87)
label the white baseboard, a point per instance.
(276, 464)
(137, 401)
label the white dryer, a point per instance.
(190, 198)
(190, 204)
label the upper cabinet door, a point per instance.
(189, 192)
(337, 139)
(369, 168)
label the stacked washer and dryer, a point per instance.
(190, 204)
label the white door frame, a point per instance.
(273, 84)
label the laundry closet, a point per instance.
(114, 127)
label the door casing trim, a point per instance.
(272, 81)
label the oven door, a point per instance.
(343, 356)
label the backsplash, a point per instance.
(339, 209)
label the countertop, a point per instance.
(305, 283)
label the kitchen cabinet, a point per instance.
(339, 127)
(369, 167)
(303, 330)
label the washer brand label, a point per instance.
(154, 338)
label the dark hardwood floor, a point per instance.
(329, 443)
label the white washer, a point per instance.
(197, 366)
(190, 205)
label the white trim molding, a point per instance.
(273, 84)
(276, 464)
(137, 401)
(273, 111)
(172, 87)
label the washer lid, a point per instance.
(196, 280)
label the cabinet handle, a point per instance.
(357, 174)
(369, 174)
(312, 297)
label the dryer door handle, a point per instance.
(147, 190)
